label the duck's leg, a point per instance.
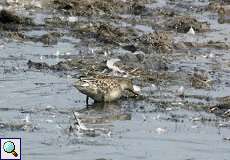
(87, 101)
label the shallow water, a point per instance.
(137, 129)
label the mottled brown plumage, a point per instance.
(104, 88)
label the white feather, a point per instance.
(110, 65)
(80, 126)
(27, 119)
(41, 58)
(136, 88)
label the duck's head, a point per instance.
(84, 87)
(127, 84)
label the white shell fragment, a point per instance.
(180, 91)
(72, 19)
(57, 53)
(161, 130)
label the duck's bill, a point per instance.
(132, 91)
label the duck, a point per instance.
(104, 88)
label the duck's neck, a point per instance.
(127, 85)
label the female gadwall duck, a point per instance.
(104, 88)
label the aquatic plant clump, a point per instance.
(89, 7)
(159, 41)
(182, 24)
(12, 22)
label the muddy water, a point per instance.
(37, 105)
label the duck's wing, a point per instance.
(103, 84)
(93, 87)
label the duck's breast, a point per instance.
(112, 95)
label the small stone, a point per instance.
(161, 130)
(191, 31)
